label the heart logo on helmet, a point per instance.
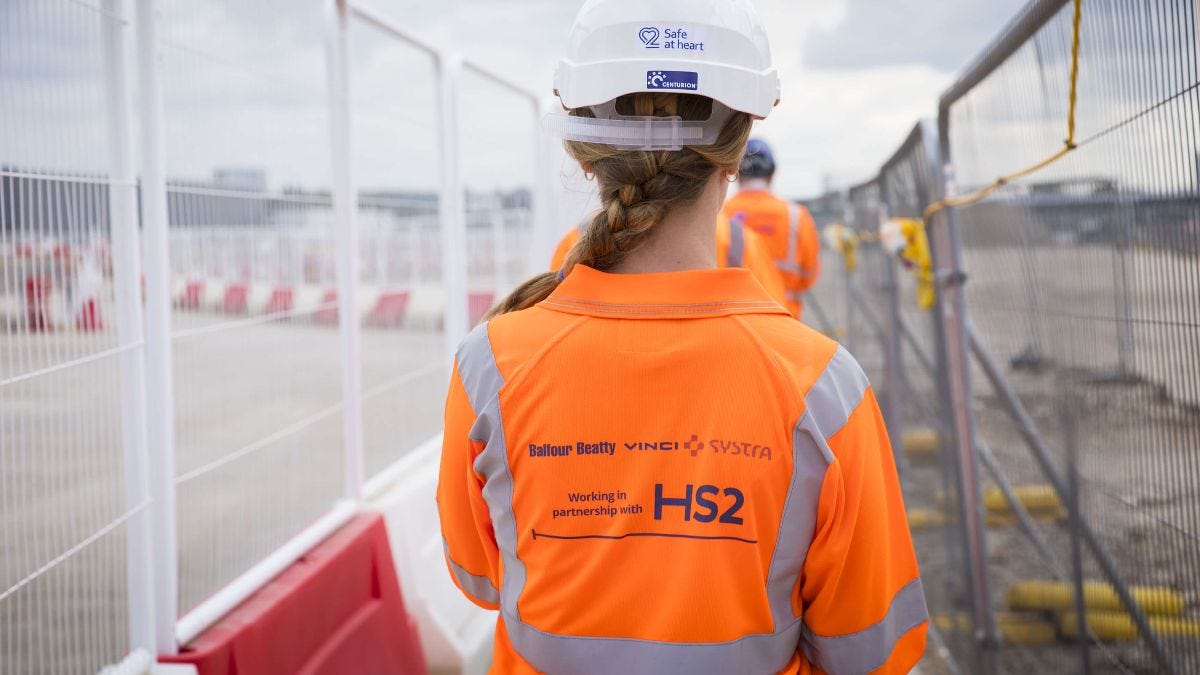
(649, 36)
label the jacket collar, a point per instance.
(695, 294)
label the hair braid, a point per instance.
(637, 188)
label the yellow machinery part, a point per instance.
(916, 255)
(1098, 596)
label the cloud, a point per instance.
(934, 33)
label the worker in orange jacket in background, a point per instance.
(648, 465)
(736, 247)
(787, 228)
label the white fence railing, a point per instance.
(224, 308)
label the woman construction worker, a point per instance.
(649, 466)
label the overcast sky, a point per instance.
(857, 74)
(244, 85)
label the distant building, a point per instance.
(244, 179)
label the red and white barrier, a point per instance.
(414, 308)
(57, 288)
(338, 609)
(456, 635)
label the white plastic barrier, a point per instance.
(455, 634)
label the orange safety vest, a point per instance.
(790, 234)
(666, 473)
(736, 247)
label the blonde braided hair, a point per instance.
(638, 188)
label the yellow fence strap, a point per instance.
(984, 193)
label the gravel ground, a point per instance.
(1135, 406)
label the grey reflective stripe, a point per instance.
(493, 465)
(549, 653)
(480, 587)
(795, 296)
(477, 368)
(482, 379)
(737, 245)
(867, 650)
(837, 393)
(810, 462)
(791, 267)
(793, 232)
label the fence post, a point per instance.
(450, 205)
(127, 274)
(345, 207)
(500, 246)
(954, 330)
(892, 353)
(540, 232)
(160, 395)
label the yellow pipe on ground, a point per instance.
(1097, 596)
(1014, 628)
(921, 444)
(925, 519)
(1115, 626)
(1033, 497)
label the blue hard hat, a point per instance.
(759, 161)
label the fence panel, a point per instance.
(257, 368)
(1084, 282)
(66, 518)
(397, 163)
(499, 123)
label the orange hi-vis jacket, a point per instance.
(667, 473)
(791, 237)
(736, 247)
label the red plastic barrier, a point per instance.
(235, 299)
(282, 300)
(480, 303)
(389, 309)
(336, 610)
(327, 315)
(88, 320)
(37, 297)
(193, 295)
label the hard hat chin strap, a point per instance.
(632, 132)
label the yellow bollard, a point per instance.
(1060, 596)
(1115, 626)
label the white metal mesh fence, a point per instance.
(250, 169)
(63, 509)
(257, 388)
(397, 166)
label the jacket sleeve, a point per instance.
(809, 253)
(861, 597)
(467, 536)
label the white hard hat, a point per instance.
(713, 48)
